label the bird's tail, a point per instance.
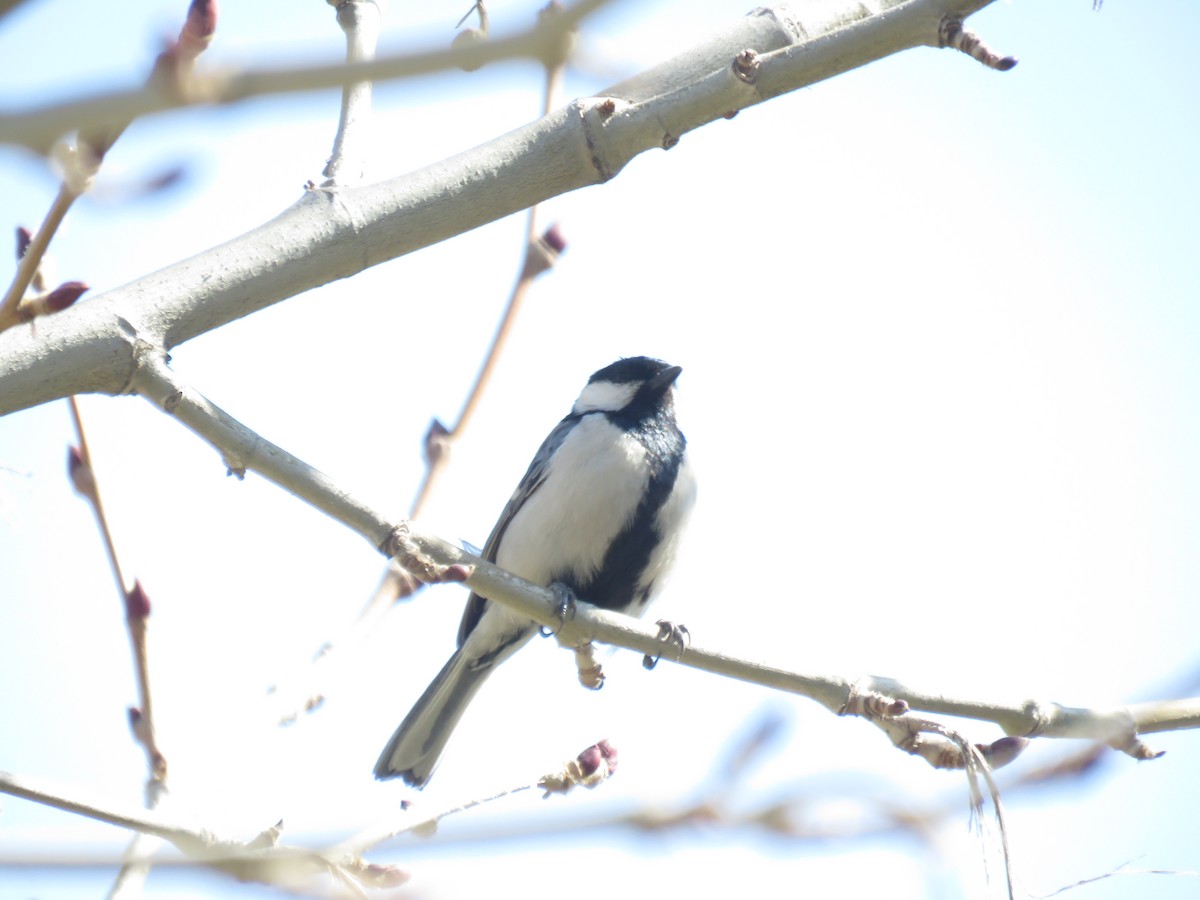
(415, 748)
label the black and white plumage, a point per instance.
(600, 511)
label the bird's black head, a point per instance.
(637, 386)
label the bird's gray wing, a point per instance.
(534, 477)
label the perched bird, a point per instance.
(600, 512)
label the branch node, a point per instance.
(872, 705)
(404, 551)
(746, 65)
(1130, 743)
(1039, 715)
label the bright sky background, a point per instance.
(938, 328)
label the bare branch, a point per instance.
(360, 20)
(431, 559)
(262, 859)
(243, 451)
(31, 258)
(540, 255)
(327, 236)
(39, 129)
(81, 162)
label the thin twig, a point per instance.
(262, 859)
(32, 259)
(135, 604)
(538, 257)
(38, 129)
(82, 161)
(360, 20)
(425, 555)
(95, 501)
(141, 718)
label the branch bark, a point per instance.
(333, 234)
(429, 558)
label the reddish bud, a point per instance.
(553, 238)
(137, 602)
(599, 759)
(24, 239)
(437, 442)
(609, 752)
(1003, 751)
(64, 295)
(80, 473)
(198, 28)
(457, 573)
(202, 18)
(164, 180)
(139, 725)
(543, 253)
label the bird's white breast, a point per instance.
(593, 487)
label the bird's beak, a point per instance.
(661, 383)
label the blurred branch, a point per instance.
(7, 6)
(82, 161)
(541, 253)
(264, 860)
(39, 128)
(13, 303)
(261, 859)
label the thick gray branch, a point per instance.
(332, 234)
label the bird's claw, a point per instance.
(669, 633)
(566, 607)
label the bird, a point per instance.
(599, 514)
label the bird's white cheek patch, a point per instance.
(595, 484)
(604, 396)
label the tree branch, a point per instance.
(262, 859)
(39, 129)
(432, 559)
(359, 19)
(329, 235)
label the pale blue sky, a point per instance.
(938, 328)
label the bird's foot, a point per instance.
(566, 606)
(669, 633)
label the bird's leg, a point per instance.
(669, 633)
(591, 674)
